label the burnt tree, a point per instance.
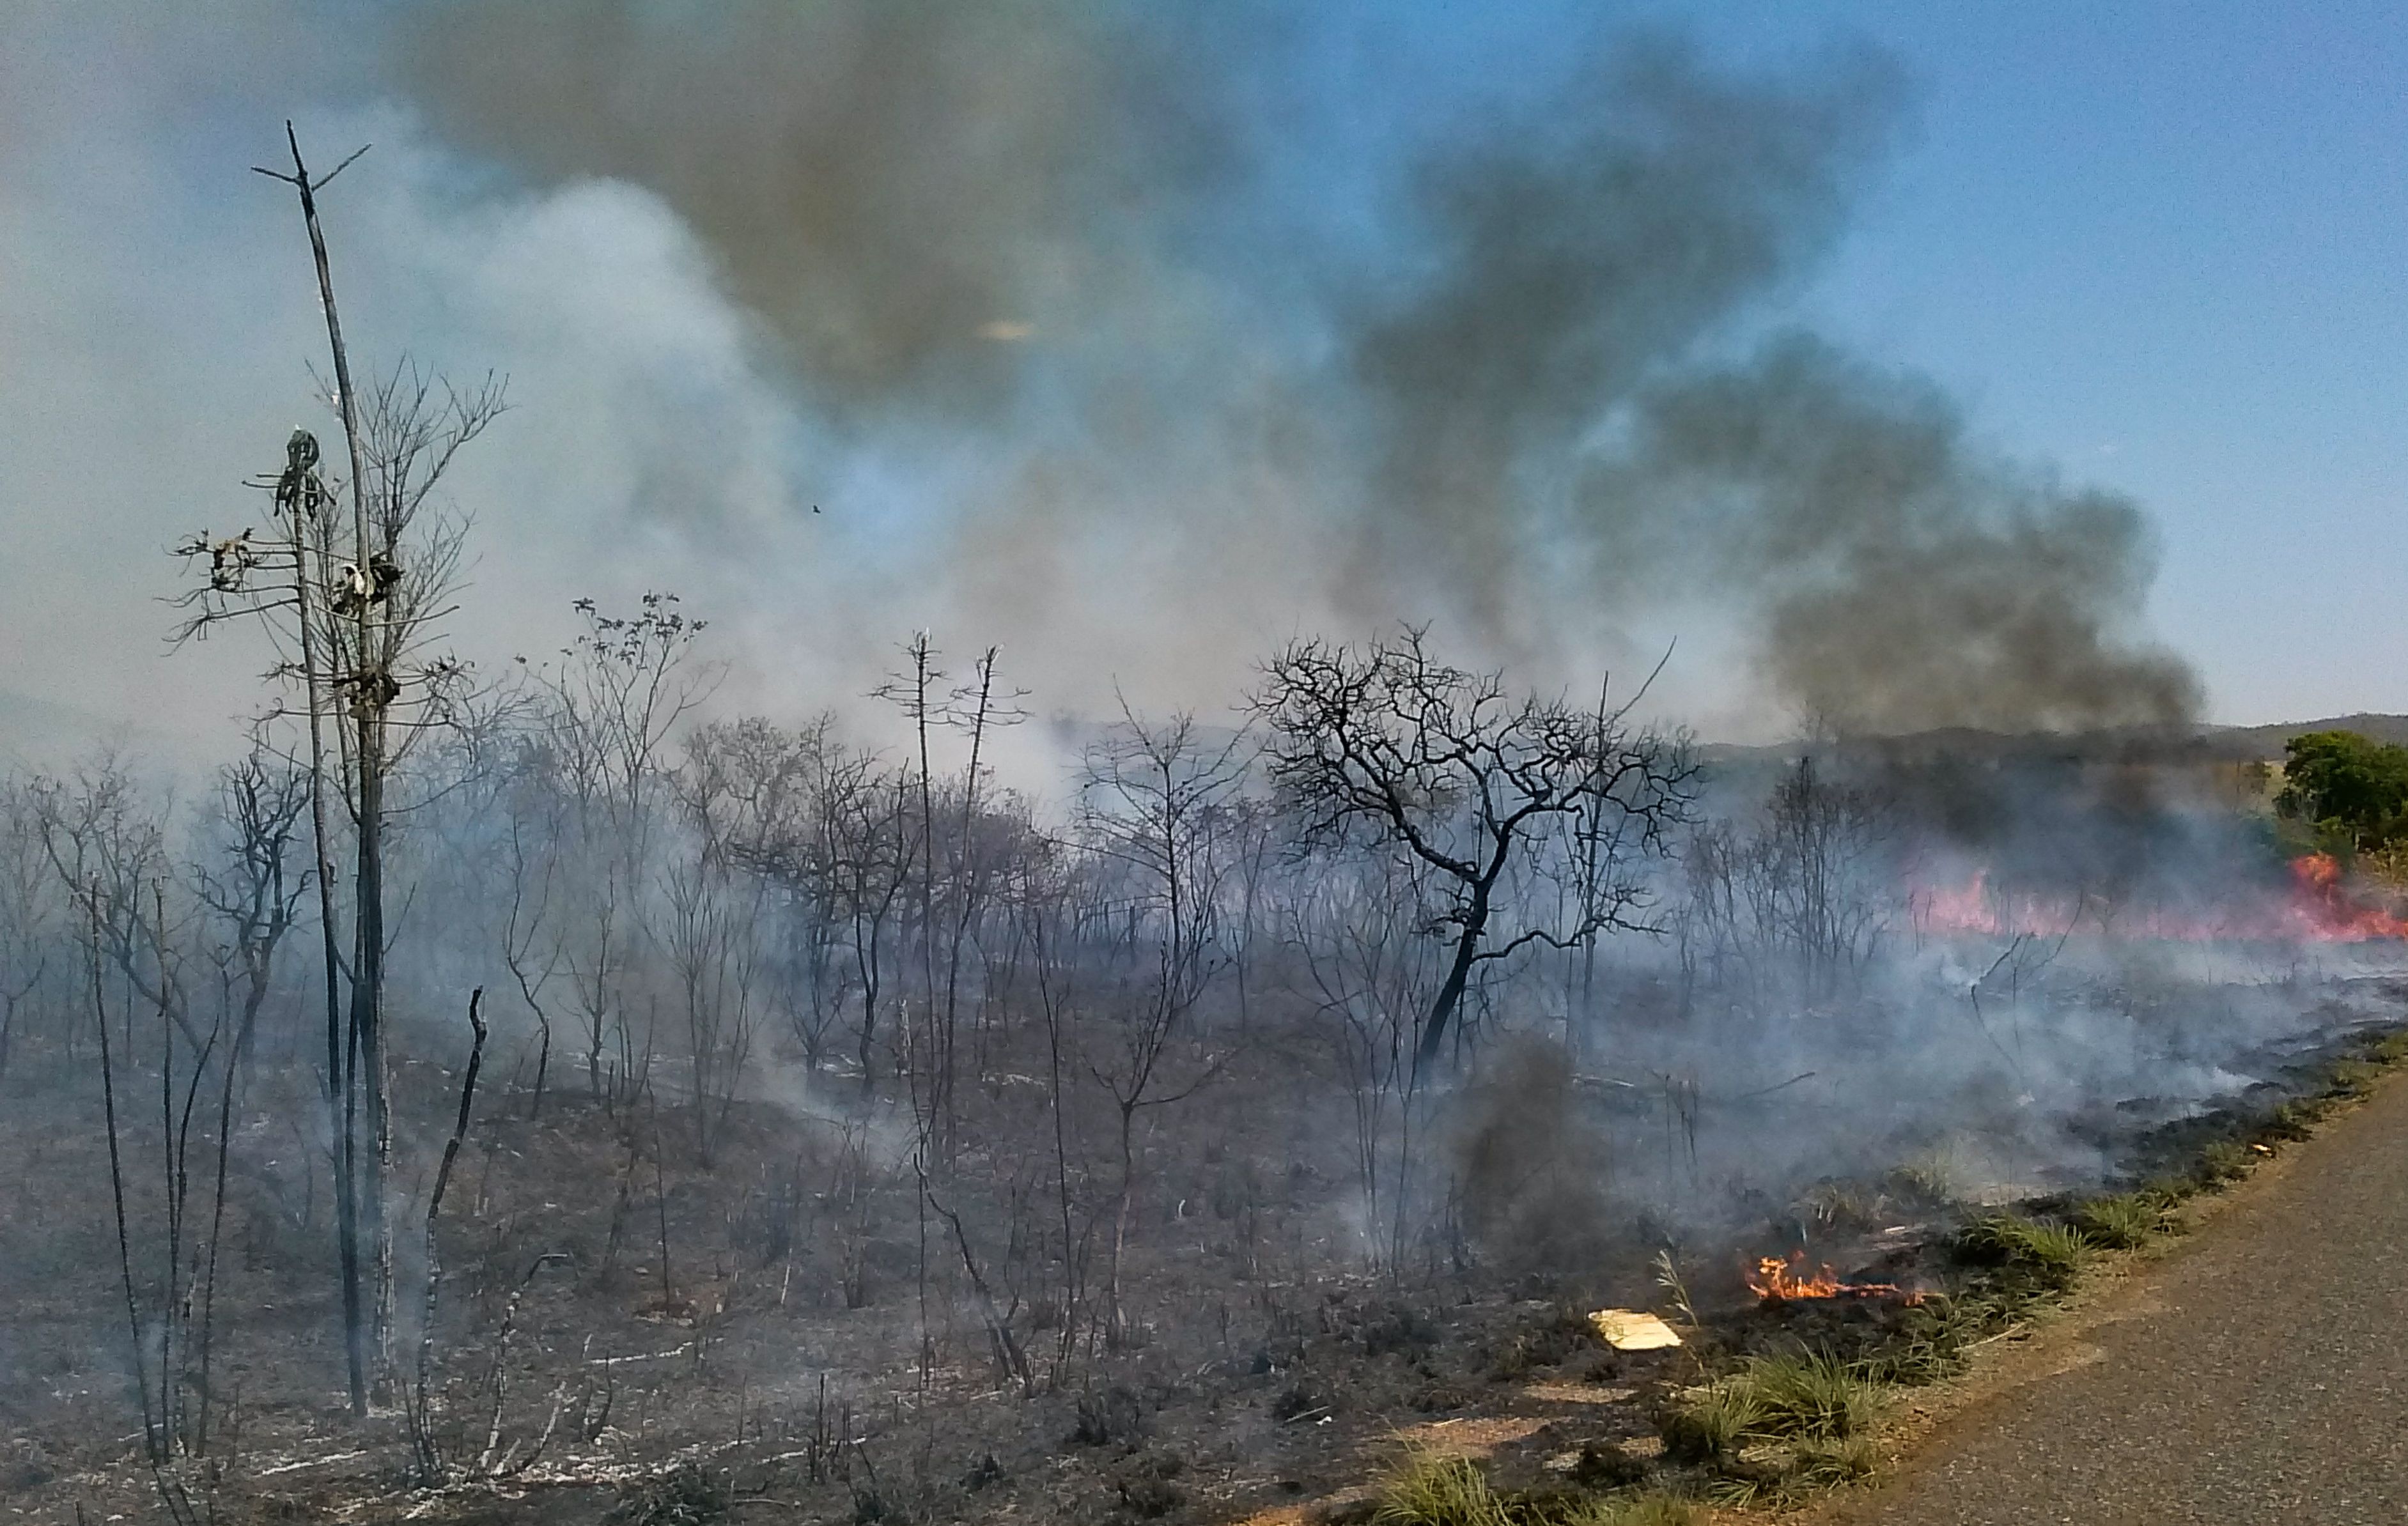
(1454, 769)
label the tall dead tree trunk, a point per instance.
(359, 1201)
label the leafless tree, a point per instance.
(256, 895)
(1356, 927)
(1793, 904)
(1151, 794)
(712, 927)
(613, 702)
(1450, 766)
(30, 911)
(362, 606)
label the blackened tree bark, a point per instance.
(1449, 766)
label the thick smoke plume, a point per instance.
(901, 189)
(1575, 254)
(1090, 328)
(1041, 224)
(1899, 580)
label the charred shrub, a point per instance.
(1292, 1402)
(687, 1495)
(1394, 1328)
(1436, 1397)
(1145, 1486)
(1108, 1416)
(1549, 1341)
(25, 1468)
(1531, 1159)
(1602, 1464)
(1237, 1189)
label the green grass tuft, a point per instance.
(1929, 1177)
(1827, 1464)
(2357, 1078)
(1812, 1394)
(1646, 1510)
(2052, 1255)
(1707, 1424)
(2225, 1161)
(2390, 1050)
(1436, 1488)
(2125, 1222)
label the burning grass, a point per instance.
(1784, 1397)
(1776, 1424)
(1781, 1281)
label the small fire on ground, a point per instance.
(1777, 1281)
(2320, 907)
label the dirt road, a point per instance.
(2256, 1376)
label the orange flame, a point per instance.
(2320, 908)
(1778, 1280)
(2316, 879)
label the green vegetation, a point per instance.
(1709, 1423)
(2125, 1222)
(1827, 1464)
(2224, 1161)
(1810, 1395)
(1438, 1489)
(2353, 1078)
(1433, 1488)
(1775, 1427)
(2051, 1255)
(1778, 1425)
(2351, 790)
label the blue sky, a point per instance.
(2154, 247)
(2151, 248)
(2164, 245)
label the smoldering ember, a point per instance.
(1039, 762)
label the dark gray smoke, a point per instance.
(1900, 579)
(1574, 253)
(902, 187)
(1047, 230)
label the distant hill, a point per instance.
(2270, 739)
(2162, 745)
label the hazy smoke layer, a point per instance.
(1105, 331)
(897, 187)
(900, 186)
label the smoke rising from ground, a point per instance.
(1087, 330)
(1898, 578)
(1573, 255)
(902, 190)
(897, 188)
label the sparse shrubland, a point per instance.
(841, 1125)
